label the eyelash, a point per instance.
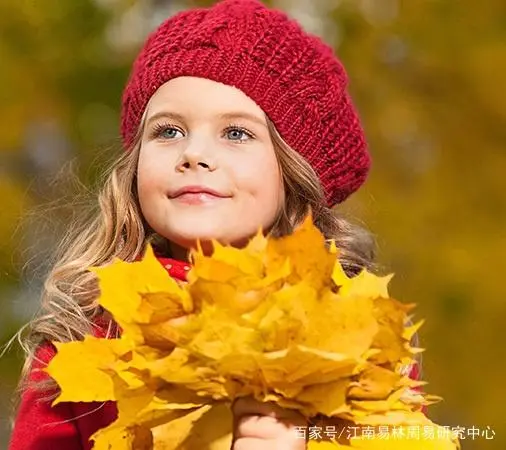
(159, 128)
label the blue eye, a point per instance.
(168, 132)
(239, 134)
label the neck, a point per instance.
(179, 253)
(183, 253)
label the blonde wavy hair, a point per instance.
(115, 228)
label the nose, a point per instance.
(188, 165)
(195, 157)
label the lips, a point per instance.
(198, 190)
(198, 195)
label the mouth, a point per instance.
(197, 195)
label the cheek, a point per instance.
(152, 173)
(260, 178)
(153, 169)
(146, 183)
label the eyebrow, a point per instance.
(225, 116)
(243, 115)
(165, 115)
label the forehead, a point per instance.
(190, 96)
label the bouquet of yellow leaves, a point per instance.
(278, 320)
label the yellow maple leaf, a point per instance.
(133, 292)
(134, 437)
(365, 284)
(93, 356)
(207, 428)
(309, 257)
(374, 383)
(278, 320)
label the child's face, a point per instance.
(207, 166)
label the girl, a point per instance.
(233, 118)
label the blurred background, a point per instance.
(428, 79)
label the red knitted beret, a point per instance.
(292, 75)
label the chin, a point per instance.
(188, 229)
(206, 232)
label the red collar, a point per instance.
(176, 269)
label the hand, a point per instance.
(266, 426)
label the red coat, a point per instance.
(69, 426)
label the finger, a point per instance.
(248, 406)
(255, 444)
(258, 427)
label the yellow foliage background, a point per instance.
(427, 77)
